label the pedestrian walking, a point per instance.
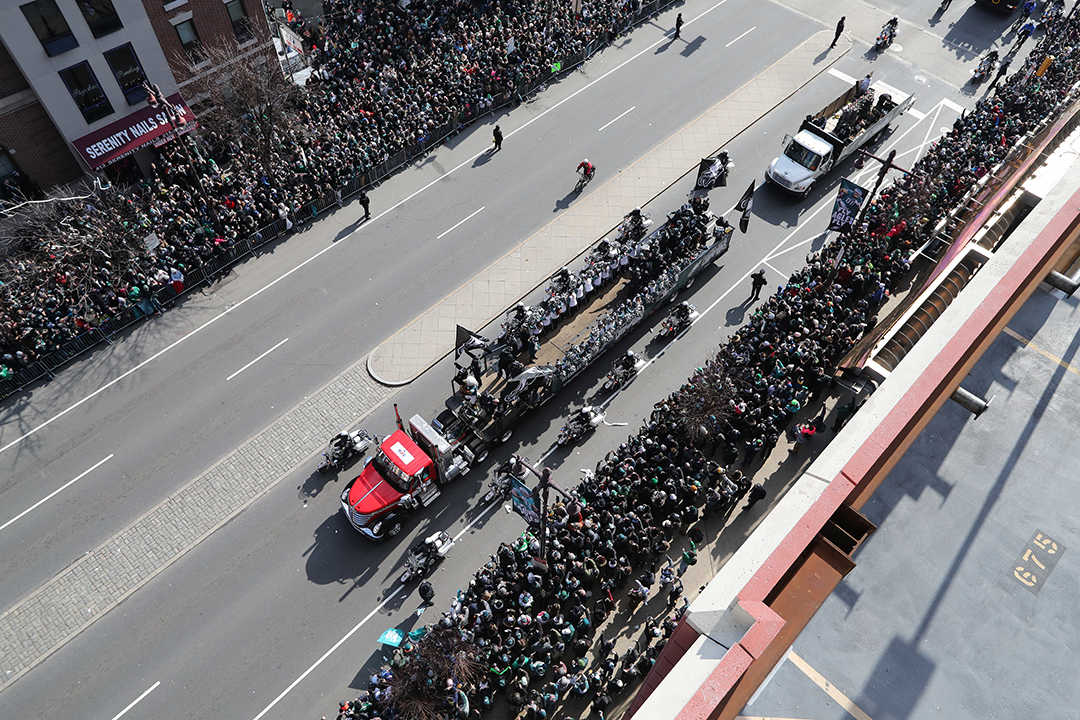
(678, 26)
(839, 31)
(944, 5)
(757, 492)
(366, 204)
(757, 281)
(497, 137)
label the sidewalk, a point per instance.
(405, 355)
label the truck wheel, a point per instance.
(806, 193)
(688, 284)
(394, 529)
(482, 456)
(505, 436)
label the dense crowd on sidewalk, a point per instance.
(384, 77)
(534, 628)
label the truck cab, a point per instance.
(403, 474)
(806, 157)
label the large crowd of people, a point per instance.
(535, 629)
(385, 76)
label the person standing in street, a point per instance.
(757, 281)
(678, 26)
(1002, 70)
(366, 204)
(839, 31)
(497, 138)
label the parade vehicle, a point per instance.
(827, 138)
(1003, 5)
(405, 471)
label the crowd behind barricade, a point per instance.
(387, 78)
(536, 631)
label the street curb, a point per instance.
(817, 37)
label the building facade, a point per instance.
(72, 73)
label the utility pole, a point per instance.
(546, 484)
(886, 165)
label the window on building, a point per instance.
(86, 91)
(100, 16)
(240, 24)
(189, 38)
(49, 25)
(128, 72)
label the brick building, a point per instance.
(71, 75)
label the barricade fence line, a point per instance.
(197, 277)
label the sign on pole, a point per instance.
(291, 38)
(849, 199)
(524, 501)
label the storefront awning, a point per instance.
(123, 137)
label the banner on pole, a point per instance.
(392, 637)
(710, 174)
(745, 205)
(524, 501)
(849, 199)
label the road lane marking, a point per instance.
(256, 359)
(781, 273)
(69, 483)
(623, 114)
(741, 36)
(335, 646)
(955, 107)
(831, 690)
(929, 129)
(459, 223)
(328, 248)
(1030, 344)
(136, 700)
(917, 114)
(493, 504)
(843, 76)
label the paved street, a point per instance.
(231, 625)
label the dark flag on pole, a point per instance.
(709, 174)
(746, 203)
(846, 208)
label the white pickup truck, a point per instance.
(826, 138)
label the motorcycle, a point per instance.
(621, 374)
(343, 449)
(885, 37)
(583, 422)
(675, 323)
(424, 556)
(985, 67)
(584, 178)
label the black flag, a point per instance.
(746, 203)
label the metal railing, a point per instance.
(161, 298)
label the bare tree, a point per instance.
(245, 96)
(443, 658)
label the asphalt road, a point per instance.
(177, 415)
(235, 623)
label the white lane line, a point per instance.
(136, 700)
(483, 513)
(926, 137)
(781, 273)
(623, 114)
(459, 223)
(328, 248)
(256, 359)
(69, 483)
(841, 76)
(741, 36)
(917, 114)
(955, 107)
(335, 646)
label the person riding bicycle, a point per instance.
(586, 168)
(889, 28)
